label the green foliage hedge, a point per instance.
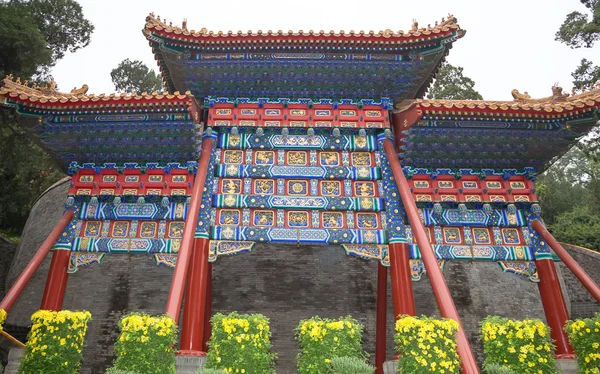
(55, 342)
(427, 345)
(350, 365)
(146, 344)
(322, 339)
(584, 335)
(523, 346)
(241, 343)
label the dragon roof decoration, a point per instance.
(558, 103)
(14, 89)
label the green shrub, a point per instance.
(241, 343)
(350, 365)
(146, 344)
(205, 370)
(523, 346)
(584, 335)
(497, 369)
(427, 345)
(323, 339)
(118, 371)
(2, 318)
(55, 342)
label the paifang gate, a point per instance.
(303, 138)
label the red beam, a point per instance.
(381, 332)
(56, 283)
(555, 307)
(192, 328)
(440, 288)
(13, 294)
(183, 258)
(569, 261)
(402, 291)
(208, 309)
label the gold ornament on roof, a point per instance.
(80, 91)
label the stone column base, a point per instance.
(390, 367)
(567, 366)
(15, 356)
(189, 362)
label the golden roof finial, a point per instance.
(415, 25)
(184, 24)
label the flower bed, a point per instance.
(241, 343)
(427, 345)
(55, 342)
(147, 344)
(523, 346)
(323, 339)
(2, 318)
(584, 335)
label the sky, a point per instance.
(509, 44)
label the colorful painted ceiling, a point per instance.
(474, 134)
(344, 65)
(125, 128)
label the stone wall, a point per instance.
(583, 305)
(286, 283)
(7, 253)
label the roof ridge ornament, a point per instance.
(557, 96)
(155, 22)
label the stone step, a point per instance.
(15, 356)
(390, 367)
(189, 364)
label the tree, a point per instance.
(451, 84)
(581, 226)
(135, 76)
(563, 185)
(23, 48)
(34, 35)
(577, 31)
(586, 74)
(61, 22)
(25, 172)
(580, 31)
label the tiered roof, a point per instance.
(302, 70)
(117, 128)
(342, 65)
(371, 39)
(521, 133)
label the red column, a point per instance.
(569, 261)
(402, 291)
(56, 283)
(185, 249)
(440, 288)
(555, 307)
(192, 328)
(207, 309)
(15, 291)
(381, 332)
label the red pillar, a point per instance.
(207, 309)
(15, 291)
(555, 307)
(56, 283)
(569, 261)
(402, 290)
(192, 328)
(381, 332)
(185, 249)
(434, 273)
